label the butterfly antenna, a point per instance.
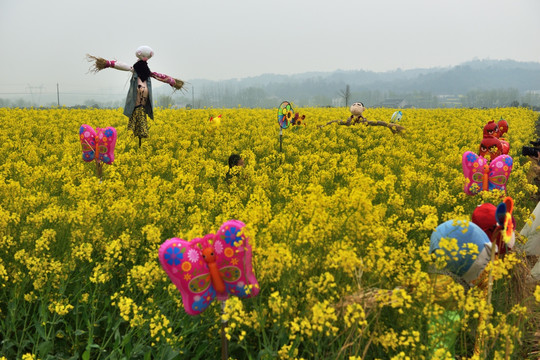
(94, 151)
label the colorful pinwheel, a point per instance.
(285, 114)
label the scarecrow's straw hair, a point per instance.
(98, 65)
(178, 84)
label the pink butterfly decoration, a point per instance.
(100, 142)
(483, 175)
(212, 267)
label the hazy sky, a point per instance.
(44, 42)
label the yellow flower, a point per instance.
(61, 307)
(338, 209)
(84, 298)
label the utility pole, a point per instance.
(192, 97)
(346, 94)
(58, 94)
(31, 90)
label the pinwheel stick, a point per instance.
(479, 346)
(496, 234)
(99, 169)
(280, 139)
(99, 164)
(280, 144)
(224, 343)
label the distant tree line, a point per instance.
(254, 97)
(259, 98)
(478, 83)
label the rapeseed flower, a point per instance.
(338, 210)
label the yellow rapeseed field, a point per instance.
(338, 214)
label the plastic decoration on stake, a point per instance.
(284, 116)
(491, 129)
(396, 116)
(502, 124)
(463, 250)
(466, 265)
(504, 218)
(504, 223)
(297, 121)
(493, 141)
(212, 267)
(98, 145)
(485, 216)
(483, 175)
(215, 120)
(490, 148)
(505, 228)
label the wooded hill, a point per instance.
(519, 81)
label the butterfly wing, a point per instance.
(233, 282)
(499, 171)
(230, 273)
(234, 259)
(205, 293)
(473, 166)
(106, 141)
(202, 301)
(182, 261)
(87, 136)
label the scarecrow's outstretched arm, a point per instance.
(395, 128)
(340, 122)
(101, 63)
(175, 83)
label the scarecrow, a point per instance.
(139, 99)
(357, 109)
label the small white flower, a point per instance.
(218, 247)
(193, 255)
